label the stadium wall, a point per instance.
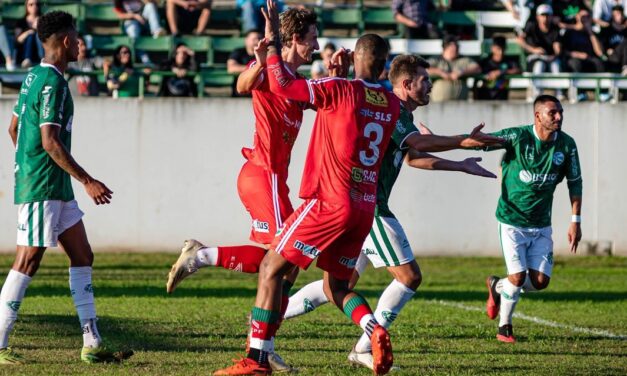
(173, 166)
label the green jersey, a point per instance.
(44, 99)
(393, 161)
(531, 170)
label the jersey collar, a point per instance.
(538, 138)
(46, 65)
(369, 84)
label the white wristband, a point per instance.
(575, 218)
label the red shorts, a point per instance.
(266, 197)
(332, 233)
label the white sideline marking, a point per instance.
(553, 324)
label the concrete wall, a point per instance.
(173, 167)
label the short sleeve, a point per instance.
(328, 92)
(573, 171)
(52, 98)
(509, 135)
(404, 128)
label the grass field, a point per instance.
(443, 330)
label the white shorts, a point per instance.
(386, 245)
(40, 223)
(527, 248)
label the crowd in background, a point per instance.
(556, 36)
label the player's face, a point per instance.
(306, 46)
(550, 116)
(72, 45)
(420, 87)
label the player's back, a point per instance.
(277, 123)
(352, 129)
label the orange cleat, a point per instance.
(244, 366)
(382, 358)
(494, 298)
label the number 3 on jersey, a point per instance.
(369, 157)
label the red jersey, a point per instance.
(278, 121)
(353, 126)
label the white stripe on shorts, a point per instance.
(297, 222)
(275, 201)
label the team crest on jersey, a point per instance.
(558, 158)
(29, 79)
(376, 98)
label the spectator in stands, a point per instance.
(495, 68)
(137, 14)
(565, 11)
(614, 33)
(603, 10)
(252, 19)
(86, 85)
(29, 48)
(188, 16)
(541, 41)
(522, 10)
(122, 78)
(451, 70)
(582, 48)
(181, 64)
(319, 67)
(413, 15)
(5, 48)
(239, 59)
(617, 61)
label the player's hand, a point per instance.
(479, 139)
(424, 130)
(574, 236)
(340, 62)
(471, 166)
(271, 15)
(98, 192)
(261, 51)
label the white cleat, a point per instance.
(278, 365)
(185, 265)
(361, 359)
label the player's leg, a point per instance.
(540, 261)
(73, 240)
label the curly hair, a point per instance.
(406, 66)
(296, 22)
(52, 23)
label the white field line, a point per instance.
(537, 320)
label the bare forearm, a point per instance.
(13, 130)
(63, 159)
(281, 82)
(430, 162)
(434, 143)
(575, 203)
(400, 18)
(246, 80)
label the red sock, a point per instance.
(243, 258)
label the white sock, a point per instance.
(528, 286)
(83, 296)
(207, 256)
(391, 302)
(10, 299)
(499, 285)
(306, 299)
(509, 298)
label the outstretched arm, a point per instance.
(426, 161)
(435, 143)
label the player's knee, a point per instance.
(517, 279)
(27, 262)
(412, 279)
(541, 281)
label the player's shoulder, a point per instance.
(566, 138)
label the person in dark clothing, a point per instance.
(28, 46)
(494, 84)
(181, 63)
(239, 59)
(612, 35)
(582, 48)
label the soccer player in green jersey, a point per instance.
(387, 245)
(41, 129)
(537, 158)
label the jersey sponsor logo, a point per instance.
(29, 79)
(355, 195)
(291, 123)
(558, 158)
(306, 249)
(400, 126)
(259, 226)
(21, 227)
(527, 177)
(376, 98)
(376, 115)
(348, 262)
(46, 104)
(369, 252)
(369, 197)
(288, 138)
(360, 175)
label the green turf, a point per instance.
(202, 326)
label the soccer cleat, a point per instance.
(101, 354)
(361, 359)
(244, 366)
(185, 265)
(279, 365)
(8, 357)
(382, 358)
(506, 334)
(494, 298)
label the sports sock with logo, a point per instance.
(499, 285)
(358, 310)
(306, 299)
(83, 297)
(10, 299)
(392, 300)
(509, 298)
(263, 324)
(244, 258)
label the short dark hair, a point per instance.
(329, 46)
(250, 31)
(618, 7)
(542, 99)
(53, 23)
(372, 44)
(499, 40)
(450, 39)
(296, 21)
(406, 66)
